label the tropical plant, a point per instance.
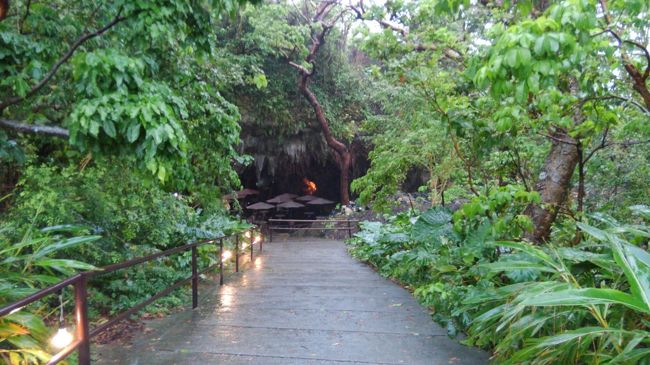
(37, 260)
(570, 304)
(589, 303)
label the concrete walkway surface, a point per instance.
(301, 302)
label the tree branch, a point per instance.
(303, 71)
(4, 9)
(559, 140)
(21, 23)
(323, 9)
(35, 129)
(396, 27)
(448, 52)
(602, 145)
(638, 79)
(614, 97)
(81, 40)
(647, 56)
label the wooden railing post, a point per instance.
(81, 319)
(237, 252)
(195, 279)
(220, 261)
(349, 229)
(252, 244)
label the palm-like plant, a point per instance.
(26, 267)
(592, 307)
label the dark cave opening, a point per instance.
(284, 177)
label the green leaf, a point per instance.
(109, 128)
(585, 297)
(64, 264)
(500, 266)
(432, 225)
(133, 132)
(634, 264)
(512, 57)
(593, 231)
(530, 250)
(533, 83)
(582, 335)
(642, 210)
(64, 244)
(260, 81)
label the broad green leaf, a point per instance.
(529, 249)
(586, 297)
(635, 268)
(64, 244)
(133, 132)
(500, 266)
(109, 128)
(64, 264)
(593, 231)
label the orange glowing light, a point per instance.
(310, 186)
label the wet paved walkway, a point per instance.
(300, 302)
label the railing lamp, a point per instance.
(63, 337)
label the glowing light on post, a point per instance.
(247, 234)
(258, 239)
(62, 338)
(226, 255)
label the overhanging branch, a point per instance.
(35, 129)
(81, 40)
(301, 69)
(448, 52)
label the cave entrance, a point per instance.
(275, 176)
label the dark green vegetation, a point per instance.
(561, 303)
(121, 129)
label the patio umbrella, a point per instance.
(320, 201)
(306, 198)
(246, 192)
(290, 205)
(282, 198)
(260, 206)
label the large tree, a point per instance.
(558, 76)
(138, 79)
(320, 22)
(311, 37)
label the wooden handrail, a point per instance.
(314, 220)
(79, 281)
(347, 227)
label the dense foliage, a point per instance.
(560, 303)
(120, 134)
(115, 142)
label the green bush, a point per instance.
(34, 262)
(554, 304)
(100, 215)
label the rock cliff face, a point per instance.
(281, 161)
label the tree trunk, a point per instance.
(553, 184)
(581, 177)
(346, 161)
(4, 8)
(344, 157)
